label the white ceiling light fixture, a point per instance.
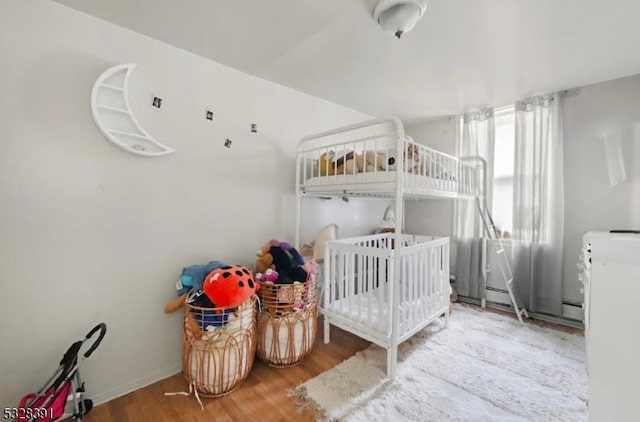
(399, 16)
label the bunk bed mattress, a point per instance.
(410, 179)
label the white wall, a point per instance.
(606, 109)
(90, 233)
(432, 217)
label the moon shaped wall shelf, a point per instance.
(112, 114)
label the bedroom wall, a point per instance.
(609, 110)
(90, 233)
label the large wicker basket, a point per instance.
(287, 323)
(216, 360)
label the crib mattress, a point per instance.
(367, 309)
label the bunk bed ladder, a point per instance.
(503, 263)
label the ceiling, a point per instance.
(463, 54)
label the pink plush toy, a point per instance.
(269, 276)
(311, 267)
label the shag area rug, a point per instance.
(483, 367)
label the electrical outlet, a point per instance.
(209, 115)
(157, 102)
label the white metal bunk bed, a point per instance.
(383, 287)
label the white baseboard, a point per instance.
(134, 385)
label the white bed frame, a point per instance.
(386, 287)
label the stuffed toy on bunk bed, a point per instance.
(332, 163)
(371, 161)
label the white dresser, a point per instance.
(611, 277)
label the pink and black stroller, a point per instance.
(64, 387)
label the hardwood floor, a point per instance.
(261, 397)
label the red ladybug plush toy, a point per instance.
(230, 286)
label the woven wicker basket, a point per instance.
(287, 323)
(216, 361)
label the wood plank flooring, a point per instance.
(262, 396)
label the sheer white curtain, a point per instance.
(538, 204)
(475, 138)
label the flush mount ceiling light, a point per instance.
(399, 16)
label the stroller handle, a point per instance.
(102, 327)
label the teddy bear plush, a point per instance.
(370, 161)
(332, 163)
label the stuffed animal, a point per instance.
(230, 286)
(283, 258)
(176, 304)
(332, 163)
(387, 160)
(191, 280)
(206, 317)
(192, 327)
(370, 161)
(193, 276)
(269, 276)
(414, 163)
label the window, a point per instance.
(502, 201)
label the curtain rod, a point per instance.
(566, 92)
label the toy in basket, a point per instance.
(219, 343)
(287, 323)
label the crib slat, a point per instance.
(340, 283)
(422, 277)
(413, 282)
(370, 289)
(351, 274)
(382, 293)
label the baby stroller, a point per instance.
(49, 403)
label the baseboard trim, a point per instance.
(133, 385)
(570, 322)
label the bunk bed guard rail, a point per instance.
(376, 159)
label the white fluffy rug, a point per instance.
(484, 367)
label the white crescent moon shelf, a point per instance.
(112, 114)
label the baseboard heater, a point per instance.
(571, 322)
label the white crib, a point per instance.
(383, 293)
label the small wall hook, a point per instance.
(227, 143)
